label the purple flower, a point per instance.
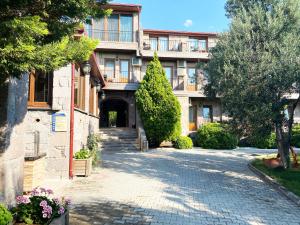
(43, 190)
(56, 201)
(49, 192)
(68, 201)
(61, 210)
(22, 200)
(35, 192)
(43, 203)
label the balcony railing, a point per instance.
(113, 76)
(177, 45)
(112, 35)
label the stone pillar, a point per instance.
(87, 84)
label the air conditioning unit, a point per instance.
(136, 61)
(181, 72)
(181, 64)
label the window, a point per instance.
(207, 113)
(109, 69)
(124, 71)
(159, 43)
(191, 75)
(79, 89)
(116, 27)
(126, 29)
(40, 89)
(197, 44)
(153, 44)
(168, 71)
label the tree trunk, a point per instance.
(283, 145)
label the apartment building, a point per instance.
(123, 53)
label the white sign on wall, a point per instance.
(59, 122)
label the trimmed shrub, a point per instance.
(215, 136)
(295, 141)
(263, 142)
(183, 142)
(5, 215)
(158, 107)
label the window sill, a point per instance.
(40, 108)
(80, 110)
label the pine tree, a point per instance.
(158, 106)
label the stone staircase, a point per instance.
(118, 139)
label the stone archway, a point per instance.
(114, 113)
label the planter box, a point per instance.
(34, 172)
(63, 220)
(82, 167)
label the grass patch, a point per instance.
(289, 178)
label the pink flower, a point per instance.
(22, 200)
(35, 192)
(68, 201)
(56, 201)
(45, 215)
(49, 192)
(61, 210)
(43, 203)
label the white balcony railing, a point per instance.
(112, 35)
(177, 45)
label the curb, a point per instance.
(267, 179)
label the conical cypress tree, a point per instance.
(158, 106)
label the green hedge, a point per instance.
(295, 141)
(263, 142)
(215, 136)
(183, 142)
(5, 215)
(269, 141)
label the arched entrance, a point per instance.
(113, 113)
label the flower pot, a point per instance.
(62, 220)
(82, 167)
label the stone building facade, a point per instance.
(30, 128)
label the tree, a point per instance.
(39, 34)
(158, 106)
(255, 66)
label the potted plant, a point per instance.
(5, 215)
(39, 208)
(82, 163)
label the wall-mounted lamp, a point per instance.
(102, 95)
(105, 77)
(98, 87)
(86, 68)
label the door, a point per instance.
(124, 71)
(193, 118)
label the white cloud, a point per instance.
(188, 23)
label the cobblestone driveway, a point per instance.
(170, 187)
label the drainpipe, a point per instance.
(71, 123)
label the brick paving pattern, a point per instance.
(171, 187)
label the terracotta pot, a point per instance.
(272, 163)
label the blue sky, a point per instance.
(183, 15)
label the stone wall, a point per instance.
(12, 150)
(84, 125)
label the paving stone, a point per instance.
(171, 187)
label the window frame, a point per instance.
(122, 78)
(31, 91)
(158, 39)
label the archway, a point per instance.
(113, 113)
